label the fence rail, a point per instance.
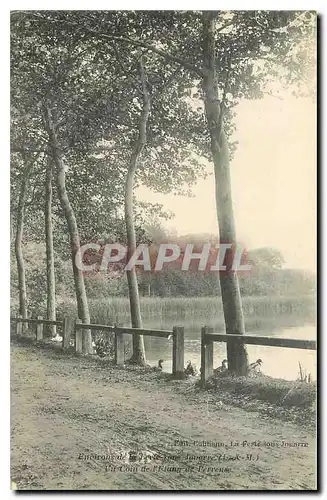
(94, 326)
(77, 329)
(141, 331)
(208, 338)
(33, 321)
(266, 341)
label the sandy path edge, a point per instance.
(65, 411)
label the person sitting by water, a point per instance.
(190, 369)
(256, 366)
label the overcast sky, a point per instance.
(273, 182)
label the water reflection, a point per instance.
(277, 362)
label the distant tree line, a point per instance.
(267, 278)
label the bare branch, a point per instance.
(229, 23)
(23, 150)
(273, 95)
(186, 64)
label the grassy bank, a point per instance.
(261, 387)
(283, 399)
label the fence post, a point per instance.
(78, 336)
(19, 325)
(119, 349)
(39, 329)
(178, 352)
(67, 327)
(206, 354)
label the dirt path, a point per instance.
(66, 408)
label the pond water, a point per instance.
(277, 362)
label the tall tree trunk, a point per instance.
(51, 284)
(12, 230)
(82, 305)
(18, 243)
(230, 291)
(134, 299)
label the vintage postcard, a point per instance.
(163, 250)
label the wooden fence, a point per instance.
(208, 338)
(75, 330)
